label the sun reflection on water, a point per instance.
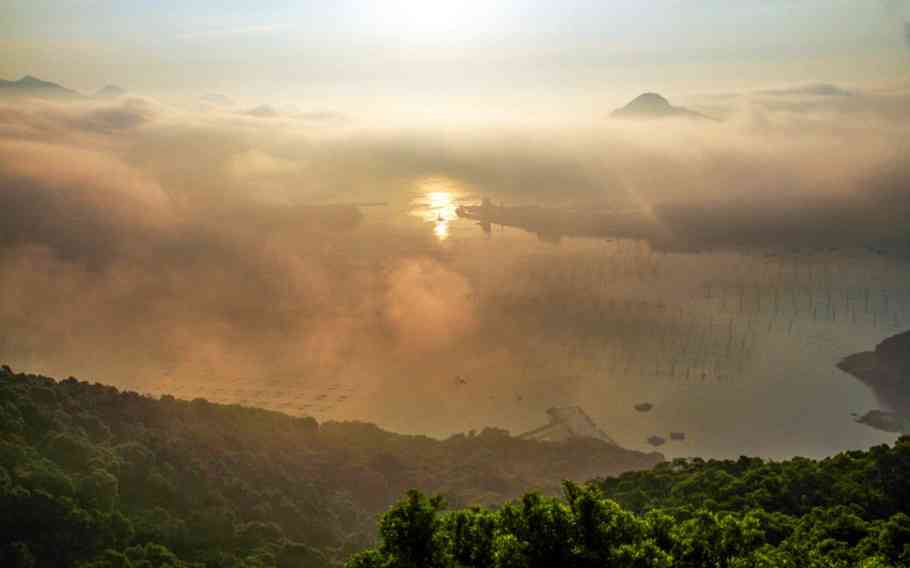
(441, 230)
(437, 204)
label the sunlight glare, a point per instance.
(437, 201)
(438, 21)
(441, 230)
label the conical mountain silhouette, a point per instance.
(35, 87)
(653, 105)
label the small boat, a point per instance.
(644, 406)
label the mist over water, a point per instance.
(735, 347)
(716, 270)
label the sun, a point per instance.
(432, 17)
(437, 20)
(442, 202)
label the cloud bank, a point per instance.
(144, 243)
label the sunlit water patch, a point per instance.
(435, 202)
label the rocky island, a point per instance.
(887, 372)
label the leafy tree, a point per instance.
(410, 533)
(473, 537)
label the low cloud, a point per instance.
(208, 247)
(132, 113)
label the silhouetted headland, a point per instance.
(551, 223)
(887, 372)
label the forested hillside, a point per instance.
(91, 476)
(848, 510)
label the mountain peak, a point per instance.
(32, 81)
(650, 99)
(110, 92)
(217, 99)
(33, 86)
(653, 105)
(263, 111)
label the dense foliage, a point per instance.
(848, 510)
(91, 477)
(98, 478)
(874, 483)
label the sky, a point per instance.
(410, 53)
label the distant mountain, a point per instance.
(811, 90)
(110, 92)
(324, 116)
(263, 111)
(653, 105)
(30, 86)
(217, 99)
